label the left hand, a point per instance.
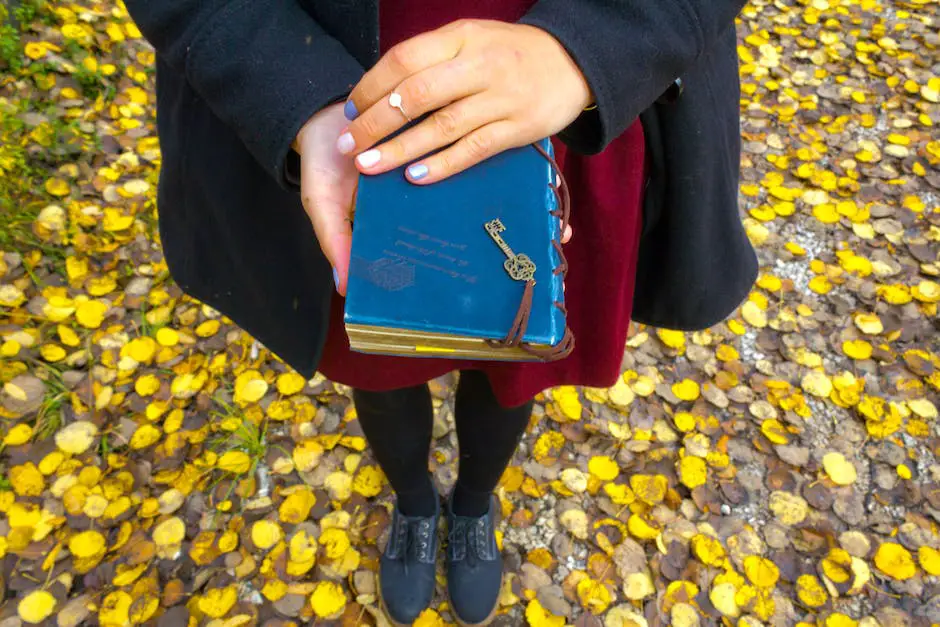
(492, 86)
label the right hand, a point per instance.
(328, 183)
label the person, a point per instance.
(269, 112)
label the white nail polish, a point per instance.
(369, 158)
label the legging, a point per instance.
(397, 425)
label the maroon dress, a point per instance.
(606, 199)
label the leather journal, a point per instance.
(468, 267)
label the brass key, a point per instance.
(519, 267)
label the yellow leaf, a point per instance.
(99, 286)
(929, 559)
(328, 599)
(903, 471)
(692, 471)
(52, 352)
(641, 529)
(296, 507)
(369, 481)
(837, 565)
(603, 467)
(250, 387)
(760, 571)
(27, 480)
(686, 390)
(838, 619)
(754, 315)
(683, 615)
(817, 383)
(87, 544)
(708, 550)
(236, 462)
(36, 606)
(774, 431)
(593, 595)
(649, 488)
(170, 532)
(20, 434)
(895, 561)
(290, 383)
(672, 339)
(168, 337)
(637, 586)
(145, 436)
(548, 445)
(274, 590)
(538, 616)
(90, 314)
(217, 602)
(208, 328)
(722, 597)
(568, 400)
(147, 385)
(810, 591)
(141, 349)
(923, 408)
(869, 323)
(857, 349)
(335, 543)
(306, 455)
(57, 187)
(115, 609)
(265, 534)
(839, 469)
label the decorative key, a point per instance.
(519, 267)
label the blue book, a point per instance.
(469, 267)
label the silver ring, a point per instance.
(394, 100)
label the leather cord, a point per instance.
(513, 338)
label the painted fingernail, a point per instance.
(346, 144)
(350, 110)
(369, 158)
(336, 278)
(418, 171)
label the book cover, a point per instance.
(430, 272)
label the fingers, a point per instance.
(326, 197)
(439, 130)
(428, 90)
(471, 149)
(408, 57)
(566, 237)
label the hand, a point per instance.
(328, 182)
(492, 86)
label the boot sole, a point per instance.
(485, 621)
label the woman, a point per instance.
(258, 101)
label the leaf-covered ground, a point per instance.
(161, 468)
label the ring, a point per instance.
(395, 100)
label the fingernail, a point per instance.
(369, 158)
(418, 171)
(350, 110)
(346, 143)
(336, 278)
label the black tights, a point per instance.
(398, 424)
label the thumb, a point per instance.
(327, 199)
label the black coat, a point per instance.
(236, 79)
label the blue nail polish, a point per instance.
(350, 110)
(418, 171)
(336, 278)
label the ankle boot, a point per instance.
(406, 569)
(474, 566)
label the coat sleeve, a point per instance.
(262, 67)
(630, 52)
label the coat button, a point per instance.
(672, 93)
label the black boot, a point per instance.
(406, 569)
(474, 566)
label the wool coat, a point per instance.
(236, 79)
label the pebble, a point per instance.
(855, 543)
(533, 577)
(552, 598)
(139, 286)
(794, 455)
